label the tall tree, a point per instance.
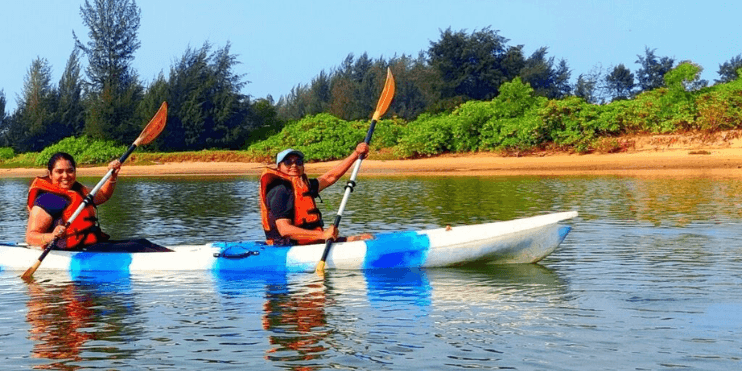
(320, 94)
(3, 102)
(37, 106)
(513, 62)
(293, 106)
(343, 88)
(113, 26)
(728, 71)
(263, 113)
(561, 87)
(620, 83)
(414, 86)
(208, 108)
(653, 69)
(369, 86)
(114, 86)
(586, 88)
(469, 65)
(13, 134)
(157, 92)
(4, 123)
(546, 79)
(71, 111)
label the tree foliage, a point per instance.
(620, 83)
(208, 109)
(113, 84)
(36, 118)
(586, 88)
(71, 108)
(470, 65)
(2, 107)
(729, 70)
(457, 68)
(546, 79)
(349, 92)
(653, 69)
(112, 29)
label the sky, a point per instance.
(281, 44)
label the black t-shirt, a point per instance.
(53, 204)
(280, 199)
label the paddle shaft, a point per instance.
(387, 93)
(348, 190)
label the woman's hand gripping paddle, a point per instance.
(386, 98)
(150, 132)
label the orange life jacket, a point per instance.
(306, 214)
(84, 230)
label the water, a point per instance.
(649, 278)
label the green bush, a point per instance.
(386, 132)
(720, 108)
(467, 122)
(6, 153)
(324, 137)
(86, 151)
(428, 135)
(515, 122)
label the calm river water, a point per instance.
(649, 278)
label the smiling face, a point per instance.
(63, 174)
(292, 165)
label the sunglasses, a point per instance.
(292, 161)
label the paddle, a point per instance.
(386, 98)
(150, 132)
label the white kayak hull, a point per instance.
(526, 240)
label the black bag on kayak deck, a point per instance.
(138, 245)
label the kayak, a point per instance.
(526, 240)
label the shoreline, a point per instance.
(709, 163)
(697, 155)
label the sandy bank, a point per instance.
(651, 156)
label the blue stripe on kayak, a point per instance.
(396, 250)
(563, 230)
(268, 259)
(96, 261)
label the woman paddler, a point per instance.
(287, 207)
(53, 199)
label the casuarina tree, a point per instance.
(113, 83)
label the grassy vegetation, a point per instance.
(23, 160)
(149, 158)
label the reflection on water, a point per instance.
(648, 278)
(70, 321)
(58, 316)
(295, 317)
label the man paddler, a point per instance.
(287, 200)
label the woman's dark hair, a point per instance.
(60, 156)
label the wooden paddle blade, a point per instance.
(386, 96)
(30, 271)
(320, 268)
(154, 127)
